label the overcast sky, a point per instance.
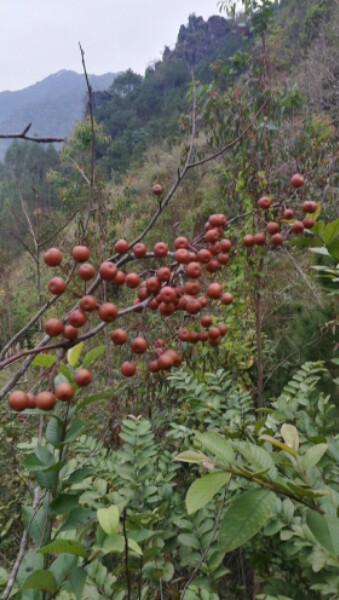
(40, 37)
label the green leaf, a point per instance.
(76, 518)
(114, 543)
(274, 442)
(109, 519)
(313, 455)
(191, 456)
(325, 530)
(41, 579)
(245, 517)
(78, 475)
(54, 430)
(73, 354)
(92, 355)
(64, 503)
(73, 430)
(257, 456)
(67, 546)
(43, 360)
(217, 445)
(331, 231)
(333, 248)
(290, 435)
(77, 580)
(134, 547)
(202, 490)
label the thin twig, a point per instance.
(23, 136)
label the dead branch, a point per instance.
(23, 136)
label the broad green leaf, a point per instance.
(202, 490)
(313, 455)
(191, 456)
(325, 529)
(64, 503)
(245, 517)
(78, 475)
(134, 547)
(109, 519)
(73, 430)
(274, 442)
(92, 355)
(67, 546)
(62, 566)
(41, 579)
(43, 360)
(290, 435)
(114, 543)
(217, 445)
(73, 354)
(257, 456)
(331, 231)
(54, 430)
(333, 248)
(77, 580)
(76, 518)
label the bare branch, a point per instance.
(23, 136)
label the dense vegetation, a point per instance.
(217, 479)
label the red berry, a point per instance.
(77, 318)
(121, 246)
(132, 280)
(18, 400)
(53, 257)
(297, 180)
(277, 239)
(163, 274)
(108, 312)
(57, 286)
(45, 400)
(160, 249)
(272, 227)
(83, 377)
(264, 202)
(309, 222)
(139, 249)
(259, 238)
(86, 271)
(181, 242)
(288, 213)
(225, 245)
(226, 298)
(64, 391)
(81, 253)
(248, 240)
(128, 368)
(88, 303)
(70, 332)
(167, 294)
(297, 227)
(119, 336)
(309, 206)
(108, 270)
(193, 269)
(139, 345)
(157, 189)
(152, 285)
(54, 327)
(214, 291)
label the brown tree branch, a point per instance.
(23, 136)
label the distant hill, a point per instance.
(52, 105)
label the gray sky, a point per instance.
(40, 37)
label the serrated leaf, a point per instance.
(218, 446)
(92, 355)
(73, 354)
(203, 489)
(245, 517)
(43, 360)
(191, 456)
(325, 529)
(109, 519)
(290, 435)
(313, 455)
(42, 579)
(67, 546)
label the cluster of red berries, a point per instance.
(45, 400)
(179, 285)
(273, 228)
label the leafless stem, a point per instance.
(23, 136)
